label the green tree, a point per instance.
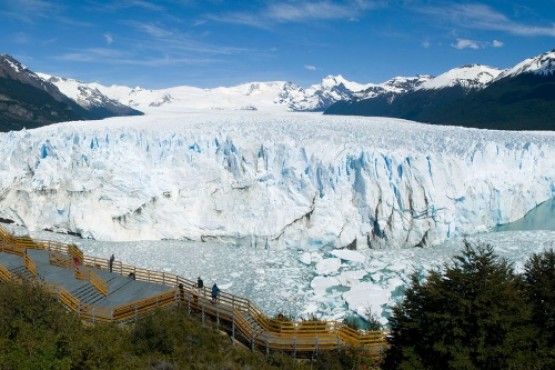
(471, 315)
(539, 277)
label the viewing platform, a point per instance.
(86, 286)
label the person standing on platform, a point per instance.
(111, 263)
(215, 293)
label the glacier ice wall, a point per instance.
(292, 179)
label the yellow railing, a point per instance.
(5, 274)
(60, 259)
(75, 252)
(13, 249)
(273, 334)
(85, 273)
(30, 265)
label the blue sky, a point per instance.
(209, 43)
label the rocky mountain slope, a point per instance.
(89, 98)
(27, 100)
(519, 98)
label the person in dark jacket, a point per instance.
(215, 293)
(111, 264)
(200, 283)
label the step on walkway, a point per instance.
(122, 289)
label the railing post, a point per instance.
(163, 278)
(267, 346)
(136, 312)
(316, 346)
(252, 340)
(295, 347)
(233, 324)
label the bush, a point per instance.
(36, 332)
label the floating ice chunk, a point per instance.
(319, 284)
(348, 255)
(225, 286)
(305, 258)
(351, 278)
(366, 296)
(310, 308)
(328, 266)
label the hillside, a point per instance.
(521, 98)
(29, 101)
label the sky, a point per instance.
(210, 43)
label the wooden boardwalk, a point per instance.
(85, 286)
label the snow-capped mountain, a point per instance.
(270, 96)
(332, 89)
(31, 100)
(543, 65)
(519, 98)
(249, 96)
(320, 96)
(12, 69)
(26, 100)
(279, 179)
(401, 85)
(86, 96)
(469, 77)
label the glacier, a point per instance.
(272, 180)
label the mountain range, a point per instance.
(29, 100)
(518, 98)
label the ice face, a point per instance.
(285, 180)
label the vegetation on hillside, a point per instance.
(36, 332)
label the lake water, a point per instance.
(540, 218)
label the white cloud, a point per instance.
(151, 29)
(483, 17)
(90, 55)
(497, 44)
(109, 39)
(296, 12)
(466, 44)
(301, 11)
(426, 44)
(310, 67)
